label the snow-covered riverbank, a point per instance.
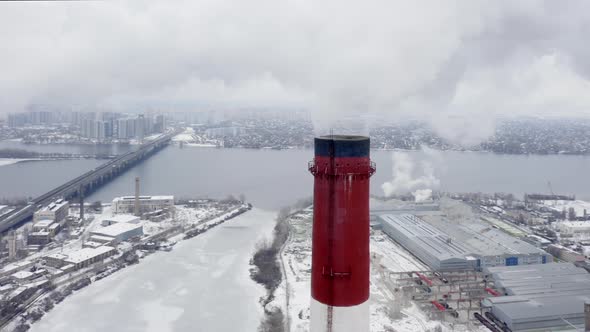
(10, 161)
(202, 285)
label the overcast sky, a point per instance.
(444, 61)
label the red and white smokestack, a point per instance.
(340, 241)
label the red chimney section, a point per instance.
(340, 243)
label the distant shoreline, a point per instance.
(11, 161)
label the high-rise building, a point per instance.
(12, 247)
(100, 131)
(160, 125)
(17, 120)
(89, 128)
(122, 132)
(140, 126)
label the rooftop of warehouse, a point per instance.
(55, 205)
(526, 309)
(541, 290)
(123, 218)
(430, 238)
(441, 236)
(43, 223)
(540, 280)
(87, 253)
(116, 229)
(481, 238)
(102, 238)
(538, 270)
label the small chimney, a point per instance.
(137, 197)
(81, 194)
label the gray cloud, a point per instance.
(453, 63)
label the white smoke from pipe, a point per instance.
(422, 195)
(411, 177)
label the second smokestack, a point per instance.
(136, 210)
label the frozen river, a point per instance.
(202, 285)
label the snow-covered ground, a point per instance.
(201, 145)
(10, 161)
(190, 139)
(185, 136)
(202, 285)
(386, 256)
(560, 205)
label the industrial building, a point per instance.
(458, 246)
(121, 218)
(542, 296)
(96, 241)
(117, 232)
(565, 254)
(574, 228)
(126, 204)
(57, 211)
(43, 232)
(537, 241)
(80, 258)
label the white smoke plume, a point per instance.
(422, 195)
(454, 64)
(410, 176)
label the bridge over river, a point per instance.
(88, 181)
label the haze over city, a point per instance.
(294, 166)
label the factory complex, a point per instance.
(80, 258)
(118, 232)
(541, 296)
(447, 245)
(509, 284)
(126, 204)
(56, 211)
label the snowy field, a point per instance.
(202, 285)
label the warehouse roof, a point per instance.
(54, 206)
(482, 239)
(537, 270)
(87, 253)
(428, 237)
(101, 238)
(123, 218)
(20, 275)
(540, 292)
(115, 230)
(457, 239)
(540, 279)
(57, 256)
(43, 223)
(520, 308)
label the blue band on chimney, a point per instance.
(340, 146)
